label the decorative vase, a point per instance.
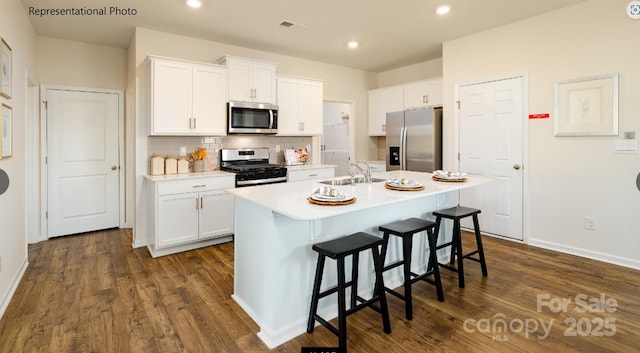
(198, 166)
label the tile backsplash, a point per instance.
(170, 146)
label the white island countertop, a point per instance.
(290, 199)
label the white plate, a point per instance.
(339, 198)
(408, 183)
(449, 175)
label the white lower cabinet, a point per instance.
(190, 213)
(310, 173)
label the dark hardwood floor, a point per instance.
(94, 293)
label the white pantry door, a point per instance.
(491, 144)
(83, 161)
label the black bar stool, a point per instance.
(405, 229)
(456, 214)
(338, 249)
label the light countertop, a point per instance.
(209, 174)
(290, 199)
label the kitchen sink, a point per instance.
(347, 181)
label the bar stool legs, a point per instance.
(456, 214)
(405, 229)
(338, 249)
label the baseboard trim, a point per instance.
(590, 254)
(12, 289)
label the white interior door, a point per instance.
(491, 144)
(83, 161)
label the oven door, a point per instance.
(252, 118)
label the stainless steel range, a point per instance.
(251, 166)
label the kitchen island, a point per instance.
(275, 227)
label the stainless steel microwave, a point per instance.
(252, 118)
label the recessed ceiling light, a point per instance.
(443, 10)
(194, 3)
(353, 44)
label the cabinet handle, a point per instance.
(313, 175)
(194, 123)
(200, 186)
(190, 124)
(202, 202)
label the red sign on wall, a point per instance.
(539, 116)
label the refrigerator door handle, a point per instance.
(403, 148)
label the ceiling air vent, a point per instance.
(292, 25)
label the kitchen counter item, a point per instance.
(198, 166)
(156, 165)
(170, 165)
(183, 165)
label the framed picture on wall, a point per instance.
(6, 65)
(587, 106)
(5, 131)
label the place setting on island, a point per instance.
(448, 176)
(403, 184)
(328, 196)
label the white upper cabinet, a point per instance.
(381, 102)
(250, 80)
(413, 95)
(420, 94)
(299, 106)
(187, 98)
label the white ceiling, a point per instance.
(391, 33)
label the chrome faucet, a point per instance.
(365, 173)
(353, 178)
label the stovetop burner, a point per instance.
(252, 166)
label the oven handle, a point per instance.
(261, 181)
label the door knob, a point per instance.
(516, 166)
(113, 167)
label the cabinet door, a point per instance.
(381, 102)
(311, 108)
(216, 214)
(288, 106)
(177, 219)
(264, 83)
(421, 94)
(209, 100)
(170, 98)
(240, 80)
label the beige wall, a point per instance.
(419, 71)
(16, 30)
(568, 177)
(71, 63)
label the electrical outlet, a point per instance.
(590, 223)
(277, 148)
(183, 151)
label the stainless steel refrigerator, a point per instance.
(414, 140)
